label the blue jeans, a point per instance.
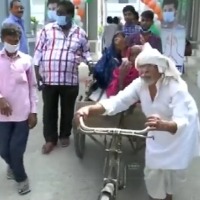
(13, 141)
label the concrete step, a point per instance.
(192, 74)
(196, 52)
(192, 66)
(192, 70)
(192, 60)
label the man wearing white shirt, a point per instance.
(171, 113)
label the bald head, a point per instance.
(134, 52)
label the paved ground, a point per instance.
(62, 176)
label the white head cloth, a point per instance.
(165, 65)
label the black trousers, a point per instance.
(51, 96)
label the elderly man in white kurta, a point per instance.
(171, 113)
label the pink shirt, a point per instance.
(18, 86)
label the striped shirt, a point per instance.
(59, 55)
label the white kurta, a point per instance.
(172, 102)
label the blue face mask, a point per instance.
(51, 14)
(63, 20)
(168, 16)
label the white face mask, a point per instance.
(11, 48)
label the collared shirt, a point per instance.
(59, 56)
(155, 30)
(153, 40)
(131, 29)
(18, 85)
(19, 22)
(172, 102)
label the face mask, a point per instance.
(69, 20)
(51, 15)
(63, 20)
(168, 16)
(11, 48)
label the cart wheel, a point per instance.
(79, 143)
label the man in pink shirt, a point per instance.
(18, 99)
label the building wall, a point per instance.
(92, 20)
(199, 31)
(38, 10)
(93, 16)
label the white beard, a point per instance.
(147, 81)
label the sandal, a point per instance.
(47, 148)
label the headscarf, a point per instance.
(114, 52)
(107, 63)
(165, 65)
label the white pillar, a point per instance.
(198, 29)
(27, 15)
(92, 20)
(4, 10)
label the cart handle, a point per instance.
(113, 131)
